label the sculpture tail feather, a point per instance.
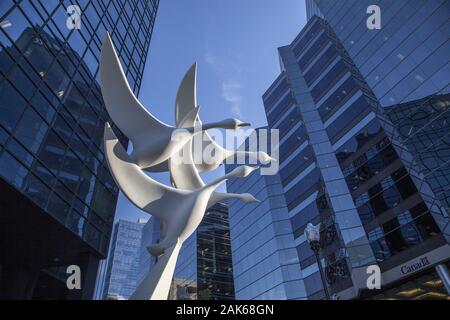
(156, 284)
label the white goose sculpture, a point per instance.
(153, 141)
(181, 208)
(179, 211)
(185, 105)
(184, 175)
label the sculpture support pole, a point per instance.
(156, 284)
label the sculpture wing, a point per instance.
(186, 96)
(139, 188)
(123, 107)
(183, 173)
(186, 102)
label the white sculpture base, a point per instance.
(156, 284)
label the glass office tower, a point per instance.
(312, 9)
(424, 126)
(58, 198)
(407, 59)
(150, 234)
(122, 269)
(343, 164)
(204, 269)
(265, 260)
(184, 282)
(405, 63)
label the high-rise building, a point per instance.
(265, 260)
(121, 278)
(150, 234)
(343, 164)
(100, 281)
(405, 64)
(407, 58)
(58, 198)
(312, 9)
(204, 269)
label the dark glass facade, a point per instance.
(424, 127)
(204, 268)
(312, 9)
(343, 164)
(405, 64)
(51, 126)
(407, 58)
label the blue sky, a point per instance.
(234, 43)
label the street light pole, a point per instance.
(312, 234)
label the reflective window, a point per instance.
(405, 231)
(358, 140)
(296, 165)
(424, 126)
(337, 99)
(386, 194)
(303, 42)
(275, 95)
(303, 188)
(369, 164)
(290, 121)
(320, 43)
(333, 76)
(280, 109)
(301, 219)
(51, 106)
(315, 71)
(340, 126)
(292, 143)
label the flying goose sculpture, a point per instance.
(180, 211)
(184, 174)
(153, 141)
(185, 105)
(181, 208)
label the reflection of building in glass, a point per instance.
(204, 268)
(406, 63)
(407, 59)
(121, 278)
(342, 164)
(185, 275)
(424, 127)
(214, 260)
(182, 289)
(57, 195)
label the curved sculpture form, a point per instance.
(180, 208)
(186, 104)
(180, 211)
(153, 141)
(184, 175)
